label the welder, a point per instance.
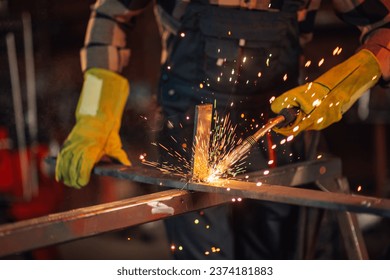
(237, 53)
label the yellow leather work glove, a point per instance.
(323, 101)
(96, 132)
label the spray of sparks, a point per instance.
(223, 138)
(223, 141)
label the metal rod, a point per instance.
(88, 221)
(246, 145)
(18, 112)
(32, 116)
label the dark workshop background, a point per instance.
(58, 32)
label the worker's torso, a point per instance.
(231, 49)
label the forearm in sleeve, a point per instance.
(105, 44)
(373, 20)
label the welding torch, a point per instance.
(284, 118)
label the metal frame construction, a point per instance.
(93, 220)
(188, 195)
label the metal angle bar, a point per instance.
(297, 173)
(202, 128)
(275, 193)
(88, 221)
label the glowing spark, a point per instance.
(258, 184)
(259, 74)
(180, 248)
(316, 103)
(309, 86)
(239, 199)
(207, 253)
(283, 141)
(359, 188)
(335, 50)
(289, 138)
(182, 34)
(229, 33)
(169, 67)
(266, 172)
(267, 62)
(196, 221)
(231, 104)
(270, 162)
(321, 62)
(244, 59)
(273, 146)
(296, 128)
(272, 99)
(285, 77)
(320, 120)
(218, 79)
(319, 156)
(173, 247)
(308, 63)
(142, 157)
(242, 116)
(201, 85)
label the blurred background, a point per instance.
(57, 32)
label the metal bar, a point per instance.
(275, 193)
(349, 227)
(32, 116)
(202, 128)
(19, 117)
(88, 221)
(352, 236)
(298, 173)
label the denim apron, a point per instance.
(237, 59)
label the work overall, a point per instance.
(237, 59)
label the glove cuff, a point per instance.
(363, 63)
(103, 96)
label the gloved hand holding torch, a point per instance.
(96, 133)
(323, 101)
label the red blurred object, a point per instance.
(49, 191)
(6, 163)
